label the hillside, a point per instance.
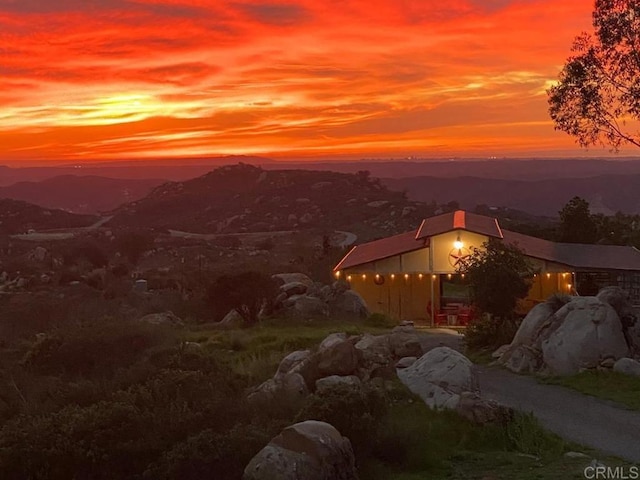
(607, 194)
(20, 217)
(244, 198)
(80, 194)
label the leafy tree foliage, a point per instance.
(245, 292)
(599, 86)
(577, 224)
(499, 274)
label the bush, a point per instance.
(354, 412)
(225, 453)
(490, 333)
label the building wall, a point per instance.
(398, 297)
(443, 247)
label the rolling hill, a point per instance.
(20, 217)
(245, 198)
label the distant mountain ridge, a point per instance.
(80, 194)
(607, 194)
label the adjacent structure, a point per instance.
(413, 276)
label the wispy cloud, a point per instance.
(114, 78)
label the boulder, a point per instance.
(288, 386)
(338, 358)
(291, 361)
(285, 278)
(332, 339)
(164, 318)
(307, 306)
(589, 332)
(627, 366)
(308, 450)
(327, 383)
(349, 302)
(374, 350)
(440, 377)
(529, 328)
(294, 288)
(405, 362)
(405, 342)
(481, 411)
(232, 320)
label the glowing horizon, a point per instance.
(127, 79)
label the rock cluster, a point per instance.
(339, 359)
(577, 333)
(303, 298)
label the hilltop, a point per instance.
(245, 198)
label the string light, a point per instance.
(338, 274)
(433, 277)
(406, 276)
(364, 277)
(348, 278)
(393, 276)
(548, 275)
(449, 276)
(420, 276)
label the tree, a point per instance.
(577, 225)
(499, 274)
(245, 292)
(599, 87)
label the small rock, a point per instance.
(405, 362)
(627, 366)
(575, 455)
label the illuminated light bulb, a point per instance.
(338, 274)
(569, 286)
(364, 277)
(463, 275)
(458, 243)
(548, 275)
(393, 276)
(449, 276)
(406, 276)
(420, 276)
(349, 278)
(564, 275)
(377, 276)
(433, 277)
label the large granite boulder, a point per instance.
(350, 303)
(589, 332)
(307, 306)
(308, 450)
(336, 356)
(294, 288)
(374, 350)
(440, 377)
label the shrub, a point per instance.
(354, 412)
(490, 333)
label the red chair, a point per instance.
(465, 316)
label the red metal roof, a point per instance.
(575, 255)
(380, 249)
(459, 220)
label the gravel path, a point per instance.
(583, 419)
(586, 420)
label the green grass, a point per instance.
(613, 386)
(256, 352)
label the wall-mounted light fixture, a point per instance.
(458, 243)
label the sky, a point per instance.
(144, 79)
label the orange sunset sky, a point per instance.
(123, 79)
